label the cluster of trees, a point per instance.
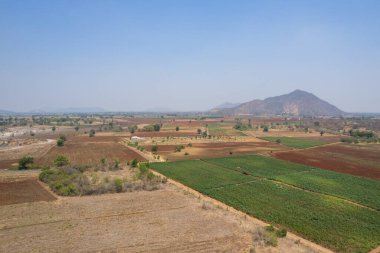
(152, 128)
(362, 134)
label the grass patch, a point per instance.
(294, 142)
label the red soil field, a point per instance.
(165, 134)
(22, 192)
(84, 150)
(6, 164)
(358, 160)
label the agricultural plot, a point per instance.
(359, 160)
(323, 219)
(84, 150)
(320, 205)
(360, 190)
(295, 142)
(216, 149)
(22, 192)
(259, 166)
(201, 175)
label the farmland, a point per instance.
(15, 192)
(295, 142)
(359, 160)
(83, 150)
(325, 215)
(235, 167)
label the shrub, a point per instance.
(118, 184)
(24, 162)
(61, 160)
(60, 143)
(177, 128)
(154, 148)
(186, 153)
(91, 133)
(134, 163)
(281, 233)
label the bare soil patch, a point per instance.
(23, 192)
(216, 149)
(84, 150)
(358, 160)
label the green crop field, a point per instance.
(360, 190)
(200, 175)
(295, 142)
(258, 165)
(308, 201)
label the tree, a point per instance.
(61, 160)
(24, 162)
(177, 128)
(157, 127)
(266, 129)
(60, 142)
(199, 131)
(76, 128)
(53, 128)
(154, 148)
(278, 141)
(92, 133)
(322, 133)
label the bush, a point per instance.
(24, 162)
(281, 233)
(60, 143)
(91, 133)
(154, 148)
(177, 128)
(61, 160)
(178, 148)
(118, 184)
(134, 163)
(62, 137)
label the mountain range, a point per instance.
(296, 103)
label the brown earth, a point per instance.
(165, 134)
(22, 192)
(216, 149)
(358, 160)
(166, 220)
(84, 150)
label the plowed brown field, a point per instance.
(358, 160)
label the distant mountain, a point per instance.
(6, 112)
(297, 103)
(68, 110)
(226, 105)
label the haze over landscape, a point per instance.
(186, 55)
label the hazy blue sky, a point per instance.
(187, 55)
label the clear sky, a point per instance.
(187, 54)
